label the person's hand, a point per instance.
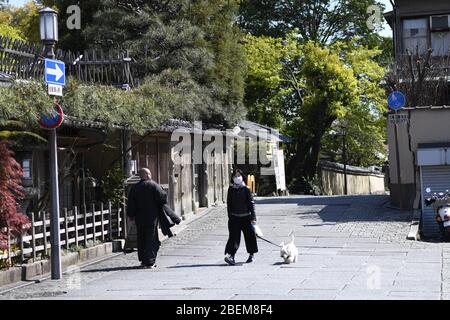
(253, 222)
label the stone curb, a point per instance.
(32, 270)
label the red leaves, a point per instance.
(11, 190)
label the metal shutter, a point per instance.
(437, 178)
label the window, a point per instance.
(415, 35)
(26, 168)
(440, 42)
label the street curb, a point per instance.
(30, 271)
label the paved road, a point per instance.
(350, 248)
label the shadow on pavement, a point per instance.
(205, 265)
(361, 208)
(113, 269)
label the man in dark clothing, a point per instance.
(145, 201)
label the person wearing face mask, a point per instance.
(241, 216)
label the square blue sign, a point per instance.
(55, 72)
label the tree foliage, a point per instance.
(309, 90)
(20, 23)
(12, 222)
(269, 87)
(322, 21)
(191, 41)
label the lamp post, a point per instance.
(48, 24)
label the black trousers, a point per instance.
(236, 225)
(147, 243)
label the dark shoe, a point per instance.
(230, 260)
(250, 259)
(149, 266)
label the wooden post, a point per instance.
(75, 217)
(93, 222)
(85, 225)
(103, 222)
(44, 227)
(110, 226)
(119, 222)
(66, 228)
(33, 236)
(125, 227)
(9, 247)
(21, 248)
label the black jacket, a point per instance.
(167, 219)
(145, 201)
(240, 201)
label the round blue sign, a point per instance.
(54, 120)
(396, 100)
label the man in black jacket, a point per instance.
(145, 201)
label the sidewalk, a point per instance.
(177, 230)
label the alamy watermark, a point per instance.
(73, 280)
(375, 18)
(73, 22)
(374, 277)
(235, 146)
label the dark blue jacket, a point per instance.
(240, 201)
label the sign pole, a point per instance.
(397, 101)
(54, 224)
(56, 272)
(397, 157)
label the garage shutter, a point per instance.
(437, 178)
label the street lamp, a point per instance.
(48, 25)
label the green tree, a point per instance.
(322, 21)
(9, 31)
(26, 20)
(270, 89)
(330, 92)
(179, 40)
(223, 39)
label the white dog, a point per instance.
(289, 252)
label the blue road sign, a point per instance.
(396, 100)
(55, 72)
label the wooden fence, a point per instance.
(94, 223)
(22, 60)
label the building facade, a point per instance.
(419, 134)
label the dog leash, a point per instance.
(268, 241)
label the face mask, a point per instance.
(238, 180)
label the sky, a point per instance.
(387, 32)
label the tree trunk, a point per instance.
(303, 166)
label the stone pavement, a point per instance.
(351, 247)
